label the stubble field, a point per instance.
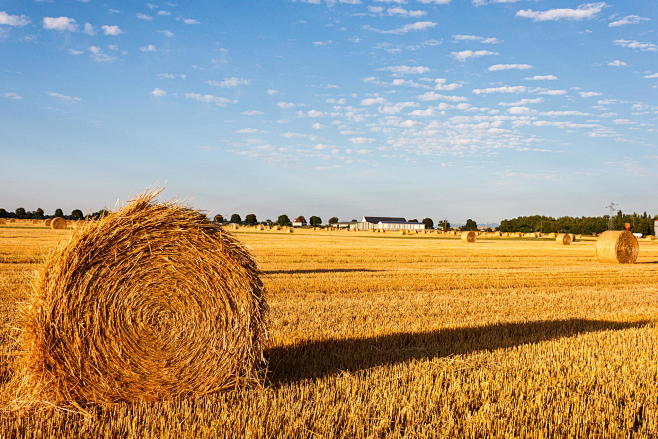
(404, 336)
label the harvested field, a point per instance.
(382, 335)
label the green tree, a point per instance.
(250, 219)
(59, 213)
(283, 220)
(444, 225)
(429, 224)
(4, 213)
(76, 214)
(315, 221)
(333, 220)
(469, 226)
(218, 219)
(20, 213)
(235, 219)
(39, 213)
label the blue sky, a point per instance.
(449, 109)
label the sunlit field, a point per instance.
(382, 335)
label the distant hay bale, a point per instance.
(290, 230)
(2, 221)
(573, 237)
(468, 236)
(618, 246)
(650, 237)
(149, 303)
(58, 223)
(47, 222)
(563, 239)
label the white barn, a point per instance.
(387, 223)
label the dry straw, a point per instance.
(149, 303)
(47, 222)
(618, 246)
(468, 236)
(58, 223)
(563, 239)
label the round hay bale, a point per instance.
(573, 237)
(2, 221)
(617, 246)
(47, 222)
(468, 236)
(290, 230)
(58, 223)
(149, 303)
(563, 239)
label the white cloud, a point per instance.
(519, 110)
(14, 96)
(98, 55)
(158, 92)
(396, 108)
(65, 98)
(372, 101)
(629, 19)
(111, 30)
(252, 113)
(564, 113)
(148, 48)
(272, 92)
(164, 13)
(144, 17)
(172, 75)
(408, 70)
(617, 63)
(484, 40)
(522, 102)
(549, 92)
(652, 76)
(632, 44)
(396, 11)
(419, 25)
(589, 94)
(488, 2)
(499, 67)
(435, 2)
(13, 20)
(433, 96)
(361, 140)
(249, 131)
(285, 105)
(209, 99)
(582, 12)
(315, 113)
(189, 21)
(542, 78)
(229, 82)
(443, 85)
(166, 33)
(88, 29)
(503, 89)
(463, 55)
(60, 24)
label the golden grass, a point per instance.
(381, 335)
(149, 303)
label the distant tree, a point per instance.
(235, 219)
(429, 224)
(269, 222)
(20, 213)
(354, 221)
(77, 214)
(218, 219)
(251, 219)
(59, 213)
(3, 213)
(470, 225)
(315, 221)
(444, 225)
(39, 213)
(413, 220)
(283, 220)
(98, 215)
(333, 220)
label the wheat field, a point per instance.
(387, 336)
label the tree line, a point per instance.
(76, 214)
(585, 225)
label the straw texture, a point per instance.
(58, 223)
(468, 236)
(564, 239)
(151, 302)
(617, 246)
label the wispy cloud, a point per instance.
(407, 70)
(463, 55)
(629, 19)
(64, 98)
(499, 67)
(158, 92)
(503, 89)
(12, 95)
(209, 99)
(111, 30)
(617, 63)
(479, 39)
(637, 45)
(13, 20)
(417, 26)
(582, 12)
(542, 78)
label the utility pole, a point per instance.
(613, 209)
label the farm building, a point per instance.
(300, 221)
(386, 223)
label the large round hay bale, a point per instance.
(468, 236)
(47, 222)
(618, 246)
(151, 302)
(58, 223)
(563, 239)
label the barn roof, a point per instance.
(383, 219)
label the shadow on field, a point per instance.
(317, 359)
(322, 270)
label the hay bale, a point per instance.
(573, 237)
(149, 303)
(468, 236)
(47, 222)
(290, 230)
(2, 221)
(618, 246)
(58, 223)
(563, 239)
